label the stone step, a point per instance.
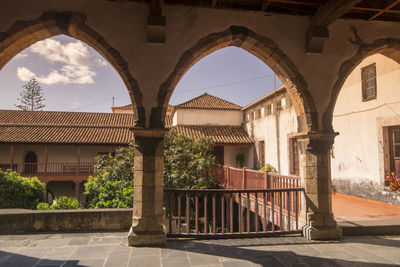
(381, 227)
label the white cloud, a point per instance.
(101, 62)
(24, 74)
(75, 56)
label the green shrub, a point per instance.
(61, 203)
(43, 206)
(268, 168)
(111, 185)
(20, 192)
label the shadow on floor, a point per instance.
(8, 259)
(240, 251)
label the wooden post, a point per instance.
(12, 156)
(45, 159)
(266, 179)
(110, 149)
(77, 189)
(244, 178)
(79, 160)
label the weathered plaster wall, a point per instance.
(265, 129)
(207, 117)
(358, 154)
(358, 149)
(5, 153)
(123, 25)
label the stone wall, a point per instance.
(23, 221)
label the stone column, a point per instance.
(315, 171)
(148, 215)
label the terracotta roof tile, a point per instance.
(206, 101)
(220, 134)
(65, 127)
(129, 109)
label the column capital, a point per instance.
(315, 142)
(149, 132)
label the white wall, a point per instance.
(230, 152)
(207, 117)
(358, 150)
(56, 153)
(265, 129)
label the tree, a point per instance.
(111, 185)
(186, 165)
(32, 96)
(187, 161)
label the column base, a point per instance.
(322, 232)
(147, 238)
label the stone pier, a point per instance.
(148, 215)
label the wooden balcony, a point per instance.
(53, 171)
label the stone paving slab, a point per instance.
(110, 249)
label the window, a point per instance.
(368, 78)
(258, 115)
(294, 156)
(269, 109)
(279, 105)
(261, 154)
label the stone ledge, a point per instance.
(391, 227)
(85, 220)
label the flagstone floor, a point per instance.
(110, 249)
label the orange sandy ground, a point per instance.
(349, 208)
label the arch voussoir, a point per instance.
(260, 46)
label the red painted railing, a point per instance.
(273, 199)
(244, 178)
(51, 168)
(227, 213)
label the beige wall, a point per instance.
(276, 141)
(358, 150)
(207, 117)
(56, 153)
(230, 152)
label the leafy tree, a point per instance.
(187, 161)
(32, 96)
(111, 185)
(19, 192)
(61, 203)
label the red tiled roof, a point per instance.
(65, 127)
(220, 134)
(206, 101)
(168, 115)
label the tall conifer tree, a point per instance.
(32, 96)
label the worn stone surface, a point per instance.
(110, 249)
(20, 220)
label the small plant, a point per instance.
(394, 181)
(61, 203)
(240, 159)
(268, 168)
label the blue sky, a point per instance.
(74, 77)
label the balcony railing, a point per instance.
(51, 168)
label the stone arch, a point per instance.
(389, 47)
(22, 34)
(260, 46)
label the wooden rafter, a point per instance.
(331, 11)
(265, 4)
(385, 10)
